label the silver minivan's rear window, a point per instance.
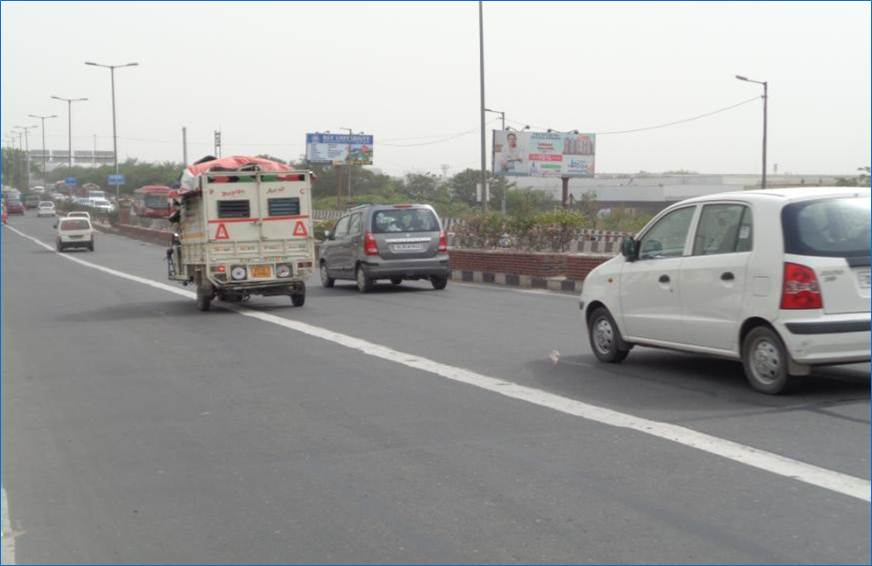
(404, 220)
(836, 227)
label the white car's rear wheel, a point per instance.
(765, 359)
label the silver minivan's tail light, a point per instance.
(238, 272)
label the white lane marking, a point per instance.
(832, 480)
(7, 550)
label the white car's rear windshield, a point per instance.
(836, 227)
(404, 220)
(75, 224)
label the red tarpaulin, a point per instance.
(230, 164)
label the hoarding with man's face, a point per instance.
(543, 154)
(339, 148)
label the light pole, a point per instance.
(503, 127)
(114, 132)
(484, 191)
(765, 109)
(348, 161)
(26, 129)
(44, 169)
(69, 102)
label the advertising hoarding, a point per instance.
(355, 149)
(543, 154)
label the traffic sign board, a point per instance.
(115, 180)
(71, 181)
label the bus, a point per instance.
(152, 201)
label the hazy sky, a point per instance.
(408, 73)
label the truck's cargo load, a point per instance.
(231, 164)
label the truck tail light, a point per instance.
(370, 247)
(801, 289)
(443, 243)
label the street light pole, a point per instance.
(26, 129)
(765, 112)
(69, 102)
(114, 130)
(348, 164)
(503, 127)
(44, 170)
(484, 191)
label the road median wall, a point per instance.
(544, 270)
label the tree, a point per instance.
(463, 185)
(136, 174)
(420, 187)
(15, 168)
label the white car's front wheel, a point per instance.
(605, 338)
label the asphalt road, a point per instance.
(138, 429)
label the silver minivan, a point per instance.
(395, 242)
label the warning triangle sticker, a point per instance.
(221, 232)
(300, 229)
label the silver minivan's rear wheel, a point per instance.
(765, 359)
(605, 338)
(364, 283)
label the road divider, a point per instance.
(831, 480)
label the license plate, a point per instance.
(407, 247)
(80, 237)
(261, 271)
(863, 278)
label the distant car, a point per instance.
(100, 205)
(777, 279)
(37, 189)
(79, 214)
(14, 206)
(395, 242)
(74, 233)
(46, 208)
(32, 200)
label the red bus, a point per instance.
(152, 201)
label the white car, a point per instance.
(100, 205)
(79, 214)
(778, 279)
(74, 232)
(45, 208)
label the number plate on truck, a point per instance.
(261, 271)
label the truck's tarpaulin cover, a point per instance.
(234, 163)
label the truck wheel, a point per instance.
(765, 360)
(326, 280)
(204, 296)
(439, 282)
(364, 283)
(298, 299)
(605, 338)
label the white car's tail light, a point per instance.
(801, 289)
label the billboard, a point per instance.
(355, 149)
(543, 154)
